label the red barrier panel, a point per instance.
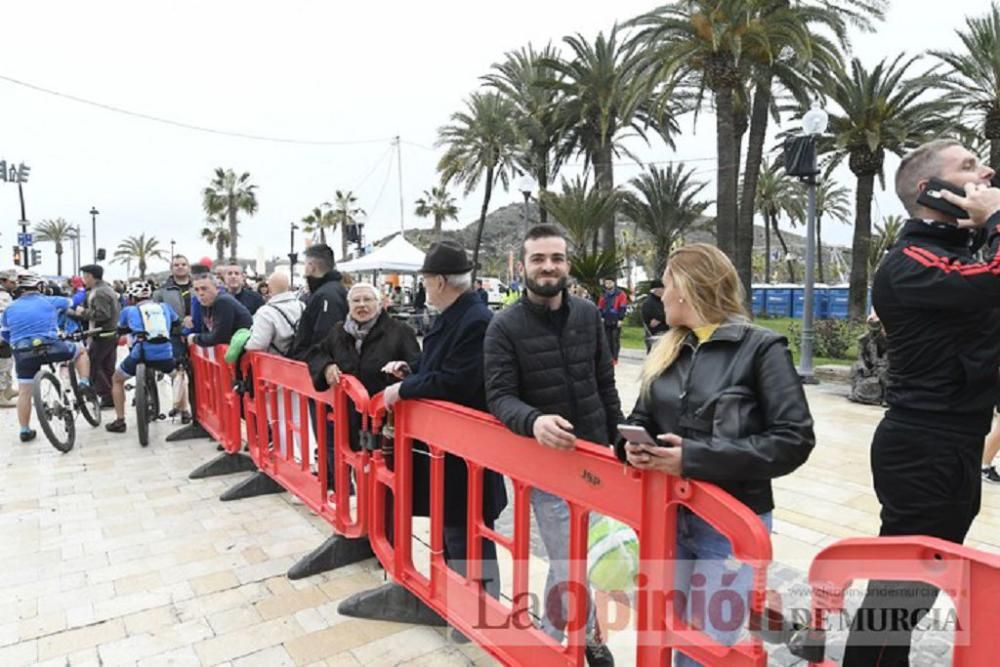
(970, 577)
(280, 439)
(589, 479)
(216, 403)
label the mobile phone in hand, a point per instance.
(637, 435)
(931, 198)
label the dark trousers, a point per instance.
(614, 335)
(455, 554)
(928, 483)
(102, 353)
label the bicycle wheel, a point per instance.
(141, 405)
(57, 419)
(87, 401)
(153, 396)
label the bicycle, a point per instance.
(56, 402)
(147, 392)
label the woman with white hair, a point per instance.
(361, 346)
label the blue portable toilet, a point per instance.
(837, 302)
(779, 300)
(821, 300)
(757, 300)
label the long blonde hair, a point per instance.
(708, 282)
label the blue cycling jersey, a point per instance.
(31, 317)
(68, 324)
(156, 320)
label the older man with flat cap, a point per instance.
(450, 368)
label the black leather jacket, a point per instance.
(738, 403)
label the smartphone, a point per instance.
(637, 434)
(931, 198)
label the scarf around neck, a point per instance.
(359, 330)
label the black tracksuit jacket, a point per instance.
(941, 311)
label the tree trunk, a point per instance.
(322, 236)
(543, 185)
(482, 222)
(751, 174)
(232, 231)
(343, 239)
(437, 227)
(858, 294)
(220, 248)
(784, 247)
(819, 248)
(142, 269)
(767, 252)
(59, 254)
(726, 169)
(604, 173)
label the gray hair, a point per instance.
(920, 164)
(459, 281)
(357, 287)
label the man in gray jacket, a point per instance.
(102, 309)
(176, 293)
(274, 323)
(549, 375)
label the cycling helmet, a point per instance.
(30, 280)
(140, 289)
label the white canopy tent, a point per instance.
(396, 256)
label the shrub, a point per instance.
(832, 339)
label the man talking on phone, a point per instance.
(549, 375)
(939, 308)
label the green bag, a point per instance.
(236, 344)
(612, 555)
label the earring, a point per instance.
(680, 300)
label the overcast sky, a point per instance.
(297, 69)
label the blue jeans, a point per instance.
(704, 559)
(552, 517)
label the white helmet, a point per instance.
(29, 280)
(140, 289)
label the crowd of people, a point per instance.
(720, 399)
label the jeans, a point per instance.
(552, 517)
(614, 336)
(703, 552)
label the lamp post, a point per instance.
(814, 124)
(526, 185)
(292, 256)
(93, 230)
(171, 253)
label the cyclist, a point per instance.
(155, 320)
(30, 326)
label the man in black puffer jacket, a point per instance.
(549, 375)
(327, 304)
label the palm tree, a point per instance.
(833, 201)
(55, 231)
(216, 232)
(346, 214)
(140, 249)
(778, 195)
(481, 144)
(581, 210)
(604, 97)
(664, 205)
(878, 110)
(228, 195)
(884, 238)
(590, 269)
(319, 220)
(975, 76)
(438, 204)
(522, 78)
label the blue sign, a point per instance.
(24, 239)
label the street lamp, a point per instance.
(800, 161)
(526, 185)
(292, 256)
(93, 230)
(171, 253)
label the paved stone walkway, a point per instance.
(114, 557)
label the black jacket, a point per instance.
(652, 309)
(221, 320)
(451, 369)
(389, 340)
(251, 300)
(738, 403)
(938, 306)
(540, 361)
(327, 305)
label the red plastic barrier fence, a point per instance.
(970, 577)
(589, 479)
(216, 403)
(278, 418)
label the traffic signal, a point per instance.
(17, 255)
(101, 254)
(36, 257)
